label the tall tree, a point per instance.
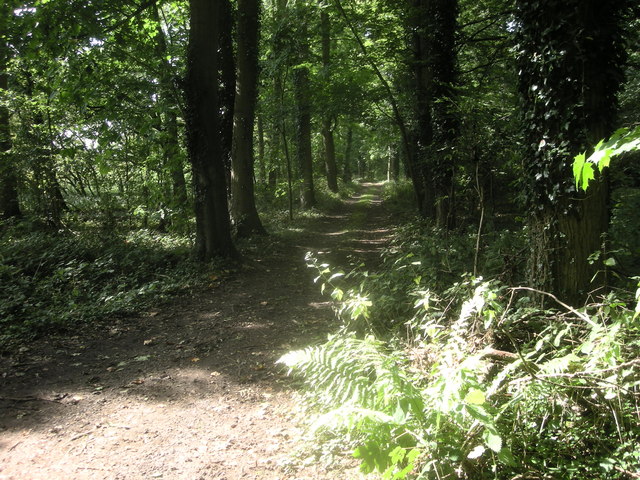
(444, 117)
(227, 79)
(328, 117)
(347, 174)
(213, 228)
(9, 204)
(434, 25)
(243, 206)
(303, 113)
(570, 59)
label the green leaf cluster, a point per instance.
(622, 141)
(473, 381)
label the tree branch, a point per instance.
(394, 105)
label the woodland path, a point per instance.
(187, 391)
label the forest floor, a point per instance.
(189, 390)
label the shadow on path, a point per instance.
(188, 391)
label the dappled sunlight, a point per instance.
(190, 389)
(319, 305)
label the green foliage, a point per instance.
(471, 380)
(399, 197)
(623, 140)
(375, 399)
(49, 282)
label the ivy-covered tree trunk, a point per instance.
(422, 134)
(327, 121)
(243, 206)
(9, 204)
(262, 160)
(205, 146)
(49, 191)
(347, 172)
(330, 155)
(570, 59)
(393, 168)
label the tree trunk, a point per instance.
(303, 117)
(262, 160)
(227, 82)
(394, 161)
(421, 138)
(347, 174)
(9, 204)
(243, 206)
(330, 156)
(445, 119)
(431, 164)
(52, 203)
(327, 130)
(173, 161)
(571, 68)
(213, 229)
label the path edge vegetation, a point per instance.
(473, 111)
(475, 380)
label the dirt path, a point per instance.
(189, 391)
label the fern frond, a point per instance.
(358, 373)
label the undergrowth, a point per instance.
(50, 282)
(434, 375)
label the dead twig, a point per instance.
(15, 445)
(29, 398)
(80, 435)
(580, 315)
(627, 472)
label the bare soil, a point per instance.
(189, 390)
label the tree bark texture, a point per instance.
(213, 229)
(421, 137)
(51, 202)
(444, 117)
(227, 81)
(243, 206)
(570, 59)
(347, 172)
